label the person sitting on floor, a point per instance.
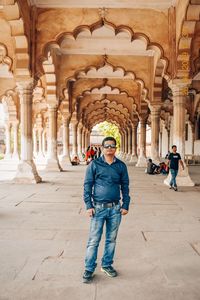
(163, 168)
(151, 167)
(75, 161)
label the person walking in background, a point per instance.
(174, 159)
(105, 178)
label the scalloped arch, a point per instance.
(77, 76)
(87, 92)
(99, 118)
(118, 107)
(11, 11)
(109, 113)
(115, 30)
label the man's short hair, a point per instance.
(109, 138)
(174, 146)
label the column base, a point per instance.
(142, 162)
(65, 161)
(27, 173)
(119, 154)
(15, 157)
(128, 157)
(40, 155)
(183, 178)
(134, 159)
(123, 157)
(8, 156)
(52, 165)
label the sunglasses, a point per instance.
(110, 146)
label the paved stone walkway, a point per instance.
(44, 229)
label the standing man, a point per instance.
(173, 161)
(105, 178)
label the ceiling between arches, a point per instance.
(159, 4)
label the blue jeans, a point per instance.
(112, 218)
(173, 179)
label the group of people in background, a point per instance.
(92, 153)
(152, 168)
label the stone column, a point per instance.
(8, 141)
(129, 142)
(65, 158)
(86, 139)
(52, 163)
(155, 128)
(160, 144)
(123, 144)
(83, 140)
(171, 133)
(15, 155)
(74, 139)
(193, 138)
(44, 142)
(134, 143)
(142, 144)
(35, 150)
(26, 171)
(80, 129)
(40, 152)
(168, 140)
(179, 112)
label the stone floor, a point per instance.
(44, 229)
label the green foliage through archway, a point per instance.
(109, 129)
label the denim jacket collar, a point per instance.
(114, 159)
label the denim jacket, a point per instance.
(103, 182)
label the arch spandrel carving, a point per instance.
(109, 100)
(5, 63)
(12, 13)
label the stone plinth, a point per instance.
(182, 179)
(142, 162)
(27, 173)
(133, 159)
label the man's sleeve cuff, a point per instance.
(89, 205)
(125, 206)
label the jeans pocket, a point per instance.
(98, 209)
(117, 208)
